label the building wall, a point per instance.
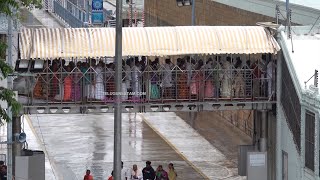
(288, 145)
(166, 12)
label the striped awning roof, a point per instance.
(149, 41)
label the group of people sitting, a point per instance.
(143, 79)
(147, 173)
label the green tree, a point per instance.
(7, 7)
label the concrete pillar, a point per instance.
(16, 147)
(192, 118)
(279, 110)
(264, 131)
(256, 129)
(271, 139)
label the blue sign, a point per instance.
(97, 5)
(97, 17)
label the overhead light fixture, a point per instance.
(22, 65)
(37, 65)
(180, 3)
(187, 2)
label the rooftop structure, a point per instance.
(302, 56)
(304, 12)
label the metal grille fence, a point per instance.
(48, 5)
(83, 82)
(291, 104)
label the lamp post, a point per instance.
(117, 115)
(9, 124)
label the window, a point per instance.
(309, 138)
(3, 38)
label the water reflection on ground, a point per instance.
(79, 142)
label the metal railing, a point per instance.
(79, 83)
(72, 15)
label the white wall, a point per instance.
(288, 145)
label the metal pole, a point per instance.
(131, 13)
(87, 9)
(16, 147)
(264, 126)
(117, 115)
(193, 12)
(9, 124)
(288, 17)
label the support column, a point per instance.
(192, 118)
(16, 147)
(117, 165)
(256, 129)
(10, 86)
(279, 127)
(264, 131)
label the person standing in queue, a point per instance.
(135, 173)
(111, 177)
(124, 172)
(172, 173)
(148, 172)
(88, 176)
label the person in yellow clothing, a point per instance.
(172, 173)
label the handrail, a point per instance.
(67, 16)
(216, 84)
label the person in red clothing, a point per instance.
(88, 176)
(111, 177)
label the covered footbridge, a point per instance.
(195, 68)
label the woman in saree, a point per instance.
(183, 89)
(197, 82)
(37, 91)
(54, 84)
(226, 80)
(76, 88)
(154, 80)
(209, 88)
(67, 85)
(99, 91)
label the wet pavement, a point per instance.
(200, 149)
(78, 142)
(33, 143)
(219, 131)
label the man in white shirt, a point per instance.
(124, 173)
(136, 173)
